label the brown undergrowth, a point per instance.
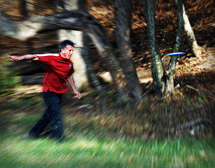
(187, 112)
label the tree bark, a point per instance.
(123, 27)
(196, 49)
(24, 11)
(92, 76)
(72, 20)
(163, 80)
(157, 66)
(169, 74)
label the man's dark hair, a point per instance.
(64, 43)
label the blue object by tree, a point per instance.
(176, 54)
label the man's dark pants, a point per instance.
(52, 115)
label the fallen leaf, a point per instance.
(131, 159)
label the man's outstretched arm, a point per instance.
(23, 57)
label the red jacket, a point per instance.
(57, 71)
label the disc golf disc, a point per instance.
(176, 54)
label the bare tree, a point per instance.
(162, 80)
(196, 49)
(123, 28)
(169, 74)
(157, 67)
(92, 76)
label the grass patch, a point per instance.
(93, 151)
(95, 138)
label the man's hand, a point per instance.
(16, 58)
(78, 95)
(72, 84)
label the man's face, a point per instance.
(67, 52)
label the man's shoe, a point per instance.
(46, 134)
(28, 136)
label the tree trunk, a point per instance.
(157, 66)
(72, 20)
(163, 81)
(122, 31)
(169, 74)
(92, 77)
(196, 49)
(24, 11)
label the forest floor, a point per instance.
(176, 132)
(188, 112)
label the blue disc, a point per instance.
(176, 54)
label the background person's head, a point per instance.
(66, 48)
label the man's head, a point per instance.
(66, 48)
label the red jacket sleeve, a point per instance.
(46, 58)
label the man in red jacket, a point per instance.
(59, 70)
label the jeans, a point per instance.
(52, 115)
